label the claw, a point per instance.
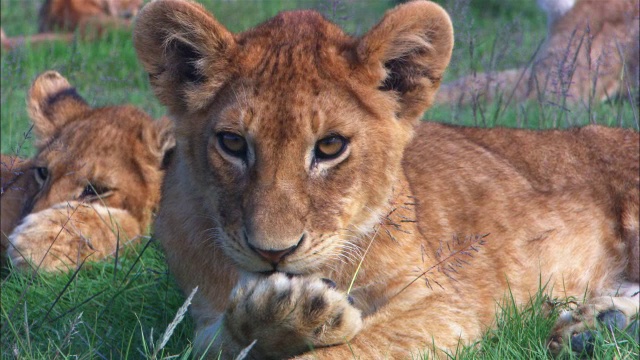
(330, 283)
(350, 299)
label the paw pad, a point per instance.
(612, 319)
(583, 342)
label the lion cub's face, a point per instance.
(293, 132)
(292, 182)
(109, 156)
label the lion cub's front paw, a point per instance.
(64, 235)
(577, 329)
(43, 239)
(290, 315)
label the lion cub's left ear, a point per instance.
(185, 51)
(408, 52)
(52, 103)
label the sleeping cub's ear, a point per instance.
(52, 103)
(162, 141)
(185, 51)
(409, 48)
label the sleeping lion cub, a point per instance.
(92, 185)
(319, 219)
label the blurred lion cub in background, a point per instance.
(92, 185)
(58, 19)
(591, 54)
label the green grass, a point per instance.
(120, 309)
(104, 310)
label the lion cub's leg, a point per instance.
(286, 315)
(616, 309)
(67, 233)
(578, 327)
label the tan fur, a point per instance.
(591, 54)
(432, 223)
(116, 151)
(69, 15)
(59, 18)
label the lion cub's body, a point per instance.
(92, 185)
(591, 54)
(69, 15)
(299, 159)
(58, 19)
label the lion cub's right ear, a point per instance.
(185, 51)
(52, 103)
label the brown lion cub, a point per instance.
(69, 15)
(90, 17)
(92, 185)
(300, 158)
(591, 54)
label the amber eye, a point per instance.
(92, 191)
(42, 173)
(330, 147)
(233, 144)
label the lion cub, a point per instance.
(92, 185)
(90, 17)
(308, 203)
(69, 15)
(592, 53)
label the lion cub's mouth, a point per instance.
(269, 273)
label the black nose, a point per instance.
(275, 256)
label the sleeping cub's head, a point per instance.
(110, 156)
(292, 132)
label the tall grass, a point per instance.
(119, 308)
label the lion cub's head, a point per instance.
(110, 156)
(292, 132)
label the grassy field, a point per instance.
(121, 309)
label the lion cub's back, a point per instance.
(547, 160)
(518, 184)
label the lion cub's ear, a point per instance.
(162, 141)
(409, 49)
(184, 50)
(51, 103)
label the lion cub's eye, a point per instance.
(233, 144)
(330, 147)
(95, 191)
(42, 174)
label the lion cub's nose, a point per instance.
(275, 256)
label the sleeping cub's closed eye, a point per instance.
(96, 191)
(41, 175)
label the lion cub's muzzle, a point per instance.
(272, 255)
